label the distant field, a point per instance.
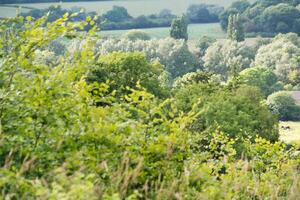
(195, 31)
(10, 11)
(292, 135)
(135, 7)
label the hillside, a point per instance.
(179, 115)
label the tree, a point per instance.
(237, 7)
(203, 13)
(279, 18)
(126, 70)
(173, 54)
(263, 78)
(227, 58)
(204, 43)
(191, 78)
(117, 14)
(281, 56)
(235, 30)
(238, 113)
(179, 28)
(284, 105)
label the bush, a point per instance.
(134, 35)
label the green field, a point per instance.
(292, 135)
(135, 7)
(9, 11)
(195, 31)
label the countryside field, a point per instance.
(135, 7)
(195, 31)
(9, 11)
(293, 134)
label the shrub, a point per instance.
(134, 35)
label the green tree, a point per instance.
(179, 28)
(235, 30)
(126, 70)
(263, 78)
(228, 58)
(117, 14)
(284, 105)
(239, 113)
(204, 43)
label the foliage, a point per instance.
(203, 13)
(235, 30)
(265, 16)
(227, 58)
(173, 54)
(191, 78)
(117, 14)
(125, 70)
(134, 35)
(58, 143)
(284, 105)
(179, 28)
(239, 113)
(236, 7)
(263, 78)
(204, 43)
(281, 55)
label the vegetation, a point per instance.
(118, 17)
(228, 58)
(179, 28)
(134, 35)
(173, 54)
(291, 135)
(88, 117)
(203, 13)
(282, 104)
(263, 78)
(195, 31)
(235, 30)
(267, 17)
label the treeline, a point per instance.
(118, 17)
(267, 17)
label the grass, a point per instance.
(135, 7)
(196, 31)
(10, 11)
(292, 135)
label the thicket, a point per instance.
(65, 135)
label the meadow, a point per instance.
(293, 134)
(195, 31)
(11, 11)
(135, 7)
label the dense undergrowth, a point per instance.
(63, 137)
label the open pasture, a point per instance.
(291, 133)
